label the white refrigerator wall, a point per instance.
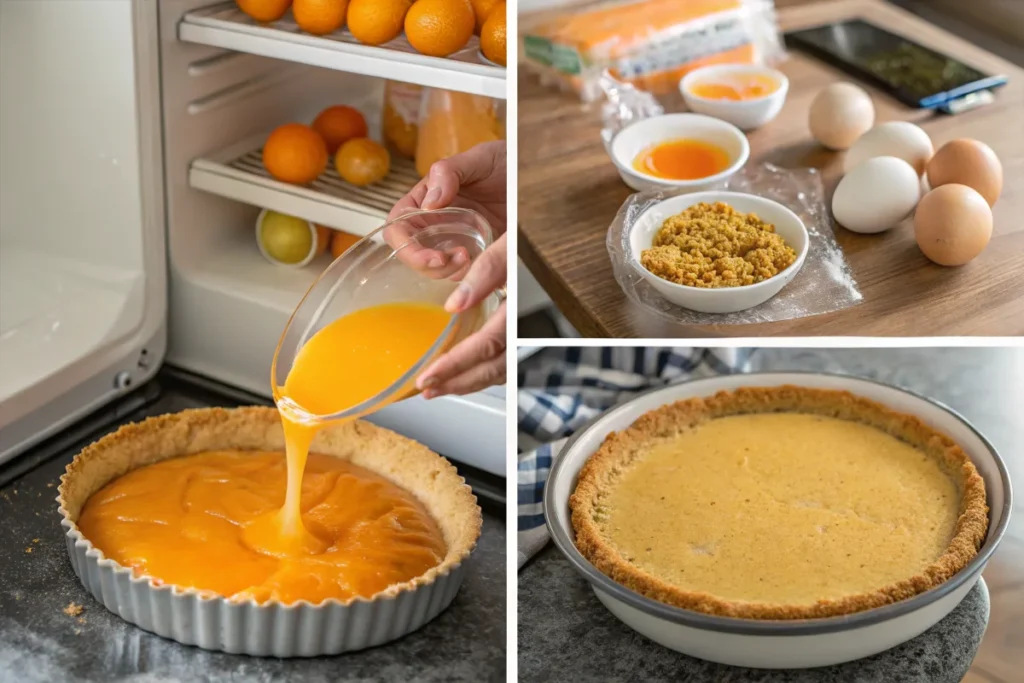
(82, 275)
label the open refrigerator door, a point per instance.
(83, 277)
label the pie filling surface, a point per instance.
(295, 525)
(784, 508)
(188, 521)
(726, 507)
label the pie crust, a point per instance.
(620, 449)
(412, 466)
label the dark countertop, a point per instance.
(38, 642)
(564, 632)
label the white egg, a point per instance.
(900, 139)
(876, 195)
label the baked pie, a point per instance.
(779, 503)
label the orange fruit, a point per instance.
(492, 36)
(339, 124)
(440, 27)
(319, 17)
(342, 242)
(362, 161)
(324, 236)
(295, 153)
(375, 22)
(264, 10)
(482, 10)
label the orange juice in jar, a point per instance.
(401, 116)
(453, 122)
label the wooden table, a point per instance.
(569, 193)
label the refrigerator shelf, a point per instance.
(237, 173)
(226, 26)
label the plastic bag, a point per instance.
(824, 284)
(401, 116)
(651, 44)
(453, 122)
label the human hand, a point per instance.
(478, 361)
(473, 180)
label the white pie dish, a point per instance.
(779, 644)
(722, 299)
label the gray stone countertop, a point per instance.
(566, 634)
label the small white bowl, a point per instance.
(747, 114)
(778, 644)
(313, 252)
(723, 299)
(646, 133)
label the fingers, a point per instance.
(486, 274)
(488, 374)
(441, 188)
(476, 362)
(412, 201)
(443, 182)
(448, 176)
(399, 232)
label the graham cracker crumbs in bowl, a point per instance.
(714, 245)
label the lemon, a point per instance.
(285, 239)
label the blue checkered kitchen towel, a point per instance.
(563, 388)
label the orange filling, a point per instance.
(747, 88)
(346, 363)
(682, 160)
(181, 521)
(250, 525)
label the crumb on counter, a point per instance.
(714, 245)
(28, 549)
(73, 609)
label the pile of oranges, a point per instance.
(296, 153)
(436, 28)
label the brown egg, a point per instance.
(967, 162)
(953, 224)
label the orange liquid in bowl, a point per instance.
(682, 160)
(738, 89)
(351, 360)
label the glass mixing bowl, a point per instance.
(419, 257)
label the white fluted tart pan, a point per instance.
(299, 629)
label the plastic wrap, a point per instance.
(651, 44)
(453, 122)
(824, 284)
(623, 105)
